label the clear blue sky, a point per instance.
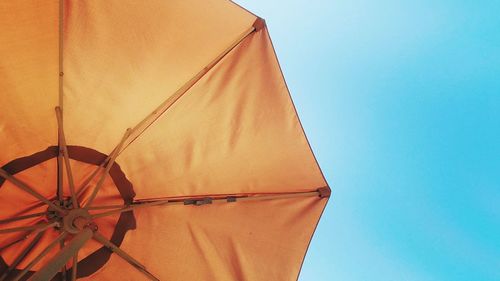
(401, 104)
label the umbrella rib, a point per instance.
(22, 217)
(31, 227)
(59, 175)
(110, 163)
(128, 258)
(164, 106)
(63, 149)
(28, 235)
(40, 256)
(13, 243)
(60, 192)
(86, 182)
(105, 207)
(22, 255)
(29, 190)
(206, 200)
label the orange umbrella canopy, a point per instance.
(149, 140)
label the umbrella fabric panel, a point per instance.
(234, 131)
(28, 77)
(123, 58)
(259, 240)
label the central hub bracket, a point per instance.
(76, 220)
(65, 204)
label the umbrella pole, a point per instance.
(74, 270)
(40, 256)
(21, 256)
(55, 264)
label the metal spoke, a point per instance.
(29, 234)
(110, 163)
(144, 124)
(40, 256)
(63, 149)
(31, 227)
(87, 181)
(8, 245)
(60, 181)
(22, 185)
(105, 207)
(21, 256)
(128, 258)
(202, 201)
(4, 221)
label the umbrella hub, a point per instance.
(53, 214)
(76, 220)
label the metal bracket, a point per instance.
(198, 202)
(259, 24)
(324, 192)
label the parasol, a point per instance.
(149, 140)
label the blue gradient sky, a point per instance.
(401, 104)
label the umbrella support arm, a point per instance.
(63, 151)
(144, 124)
(109, 164)
(29, 190)
(21, 255)
(4, 221)
(58, 261)
(40, 256)
(323, 192)
(128, 258)
(40, 227)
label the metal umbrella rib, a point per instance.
(22, 185)
(146, 203)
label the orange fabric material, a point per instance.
(123, 58)
(234, 131)
(263, 240)
(28, 77)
